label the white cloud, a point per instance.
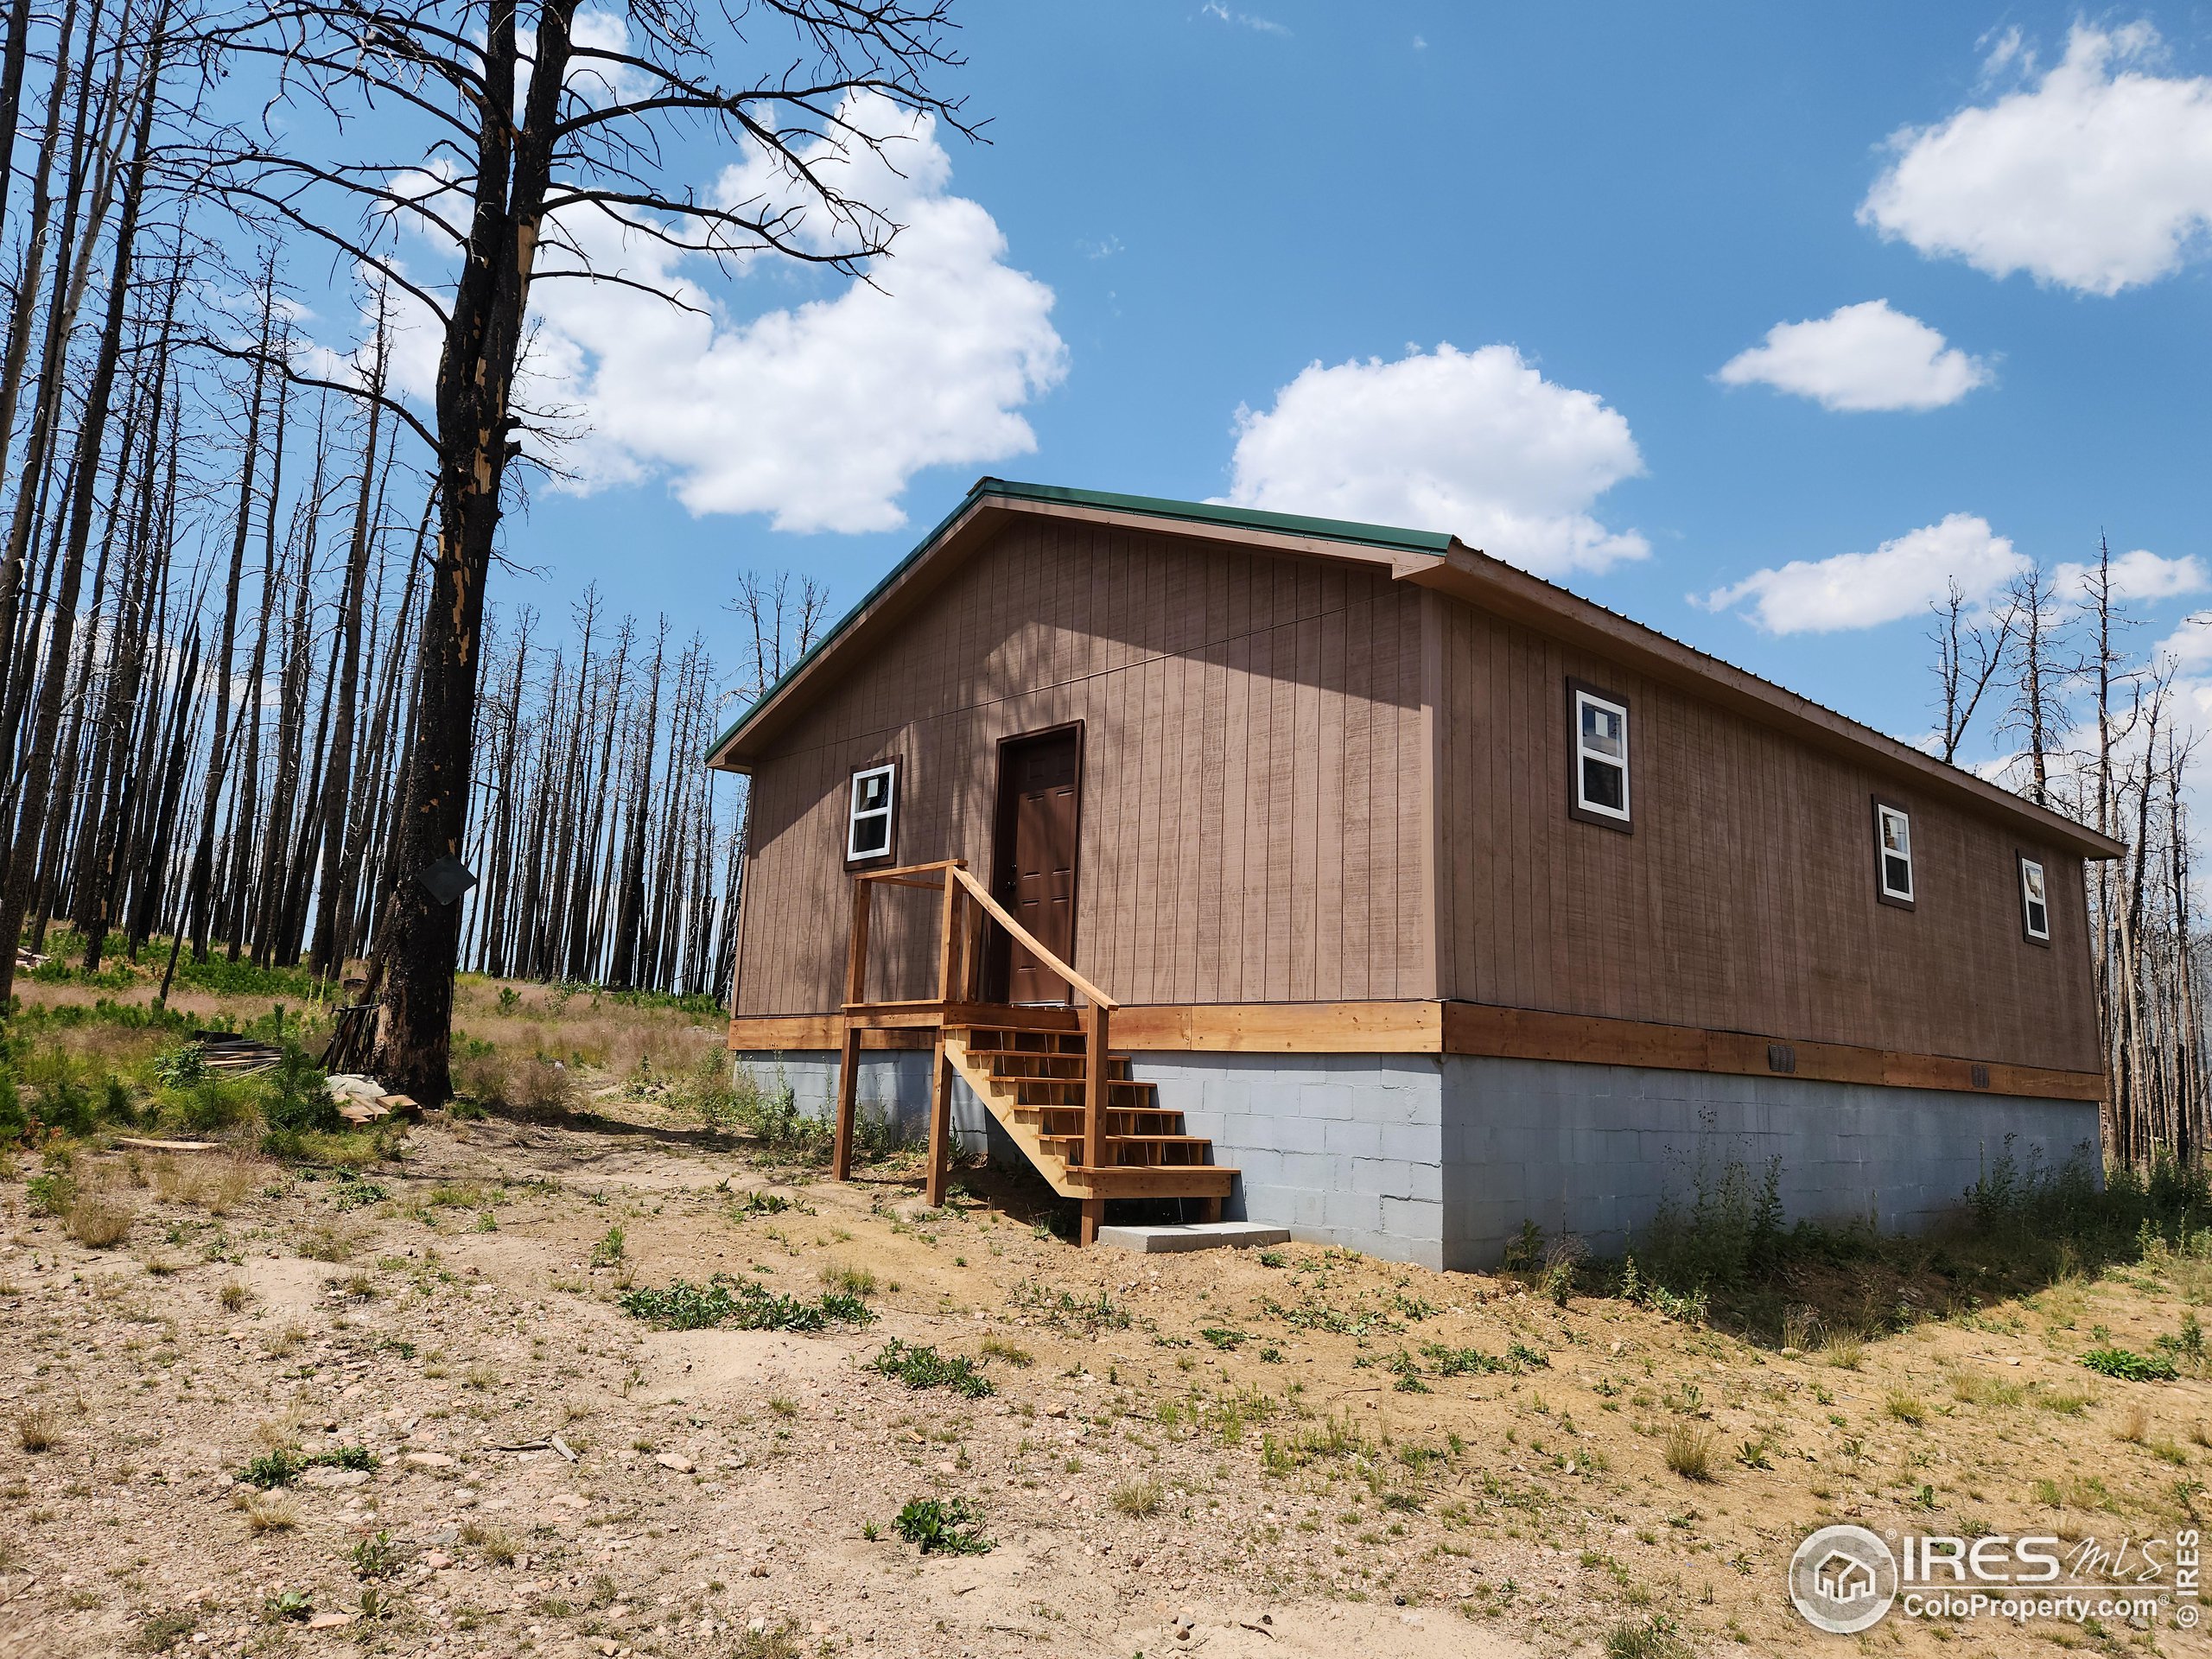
(1860, 357)
(2189, 645)
(2141, 574)
(1477, 443)
(1898, 579)
(1263, 25)
(2096, 177)
(818, 414)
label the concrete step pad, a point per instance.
(1195, 1235)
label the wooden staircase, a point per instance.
(1046, 1075)
(1036, 1085)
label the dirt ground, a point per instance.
(1235, 1453)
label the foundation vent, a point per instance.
(1781, 1056)
(1979, 1076)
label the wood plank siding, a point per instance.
(1337, 774)
(1252, 817)
(1743, 897)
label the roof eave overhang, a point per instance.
(1501, 590)
(1453, 568)
(982, 514)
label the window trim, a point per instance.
(889, 766)
(2023, 863)
(1911, 899)
(1579, 692)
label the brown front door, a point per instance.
(1039, 798)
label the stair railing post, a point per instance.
(856, 960)
(940, 1123)
(1094, 1085)
(849, 1053)
(948, 940)
(849, 1070)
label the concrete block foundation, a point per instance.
(1439, 1160)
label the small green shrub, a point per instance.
(749, 1307)
(279, 1468)
(2130, 1367)
(211, 1105)
(1461, 1361)
(376, 1556)
(297, 1100)
(181, 1064)
(1659, 1637)
(923, 1367)
(162, 1631)
(608, 1250)
(1520, 1355)
(937, 1526)
(284, 1466)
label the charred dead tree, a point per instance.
(539, 133)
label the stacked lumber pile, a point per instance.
(362, 1100)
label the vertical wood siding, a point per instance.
(1252, 807)
(1744, 899)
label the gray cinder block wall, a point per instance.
(1438, 1160)
(894, 1083)
(1593, 1149)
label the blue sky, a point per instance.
(1596, 208)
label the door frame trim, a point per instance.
(999, 965)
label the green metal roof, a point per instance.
(1195, 512)
(1206, 512)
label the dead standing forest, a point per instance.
(255, 701)
(245, 642)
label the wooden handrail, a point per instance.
(981, 895)
(933, 868)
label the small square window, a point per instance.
(1601, 736)
(1893, 855)
(2035, 901)
(868, 825)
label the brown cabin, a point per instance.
(1343, 878)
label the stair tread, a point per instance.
(1045, 1105)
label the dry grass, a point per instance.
(619, 1037)
(529, 1085)
(234, 1295)
(845, 1278)
(274, 1433)
(266, 1511)
(1138, 1498)
(99, 1222)
(218, 1185)
(1690, 1452)
(326, 1243)
(1980, 1389)
(2133, 1428)
(38, 1429)
(500, 1547)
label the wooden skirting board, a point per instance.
(1480, 1029)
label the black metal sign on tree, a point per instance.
(447, 880)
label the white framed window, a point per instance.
(1893, 853)
(874, 802)
(2035, 901)
(1599, 732)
